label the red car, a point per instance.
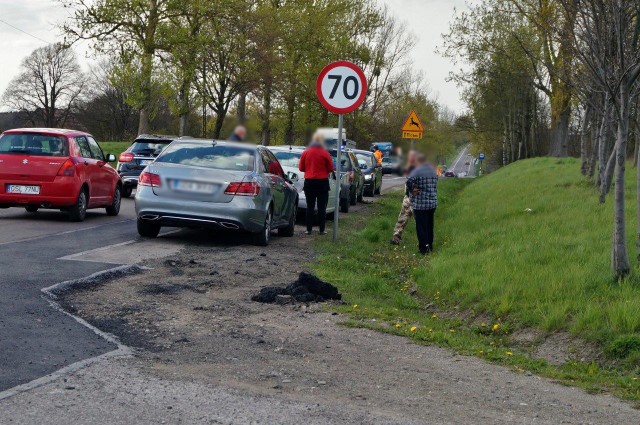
(57, 169)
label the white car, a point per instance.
(289, 158)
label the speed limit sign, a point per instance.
(341, 87)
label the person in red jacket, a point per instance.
(317, 165)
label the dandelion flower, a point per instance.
(496, 327)
(509, 353)
(413, 328)
(355, 306)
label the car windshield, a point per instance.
(33, 144)
(344, 160)
(364, 159)
(288, 159)
(221, 157)
(149, 147)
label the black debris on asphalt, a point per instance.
(307, 289)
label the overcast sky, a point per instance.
(427, 19)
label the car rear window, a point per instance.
(33, 144)
(288, 159)
(233, 158)
(149, 147)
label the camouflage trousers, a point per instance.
(405, 214)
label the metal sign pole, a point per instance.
(336, 213)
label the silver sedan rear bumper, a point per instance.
(239, 214)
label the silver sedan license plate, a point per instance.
(193, 187)
(23, 190)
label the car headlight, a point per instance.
(368, 177)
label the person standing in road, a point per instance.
(423, 193)
(378, 153)
(405, 212)
(317, 165)
(239, 134)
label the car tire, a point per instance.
(290, 230)
(344, 205)
(127, 191)
(263, 237)
(31, 209)
(353, 197)
(78, 212)
(147, 229)
(114, 209)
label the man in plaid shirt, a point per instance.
(422, 185)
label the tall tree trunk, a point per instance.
(619, 257)
(560, 133)
(584, 139)
(144, 125)
(266, 118)
(220, 116)
(289, 137)
(242, 109)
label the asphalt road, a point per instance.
(460, 167)
(35, 339)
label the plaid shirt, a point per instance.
(425, 179)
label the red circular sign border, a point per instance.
(363, 94)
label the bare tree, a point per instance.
(48, 87)
(608, 44)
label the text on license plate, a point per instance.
(145, 162)
(23, 190)
(193, 187)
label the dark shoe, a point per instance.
(394, 241)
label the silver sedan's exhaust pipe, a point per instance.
(232, 226)
(150, 217)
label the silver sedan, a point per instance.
(224, 185)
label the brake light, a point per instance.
(243, 189)
(68, 169)
(126, 157)
(149, 179)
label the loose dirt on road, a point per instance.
(193, 321)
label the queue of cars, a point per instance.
(180, 182)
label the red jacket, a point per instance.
(316, 163)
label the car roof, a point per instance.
(286, 148)
(155, 137)
(362, 151)
(217, 142)
(48, 131)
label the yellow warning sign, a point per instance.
(412, 128)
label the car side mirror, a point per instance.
(111, 157)
(292, 176)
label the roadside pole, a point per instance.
(338, 172)
(341, 88)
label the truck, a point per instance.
(331, 138)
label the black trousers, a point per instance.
(424, 227)
(321, 197)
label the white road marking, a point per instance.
(101, 255)
(37, 238)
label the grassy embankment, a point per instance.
(523, 251)
(115, 148)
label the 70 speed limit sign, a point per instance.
(341, 87)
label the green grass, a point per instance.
(526, 247)
(115, 148)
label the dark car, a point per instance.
(355, 181)
(392, 165)
(372, 172)
(144, 150)
(449, 174)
